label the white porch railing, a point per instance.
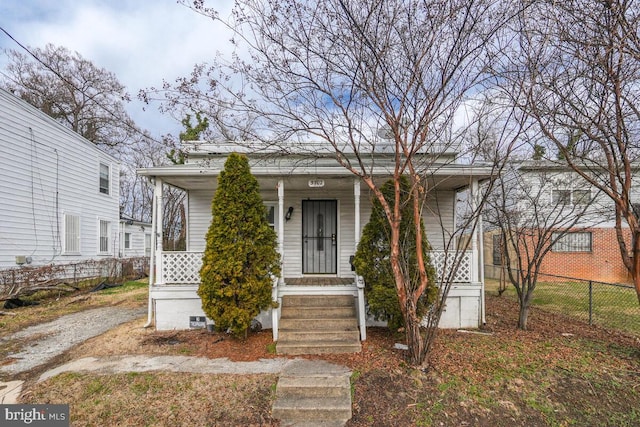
(184, 267)
(181, 267)
(443, 262)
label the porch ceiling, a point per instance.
(194, 177)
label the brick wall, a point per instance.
(602, 264)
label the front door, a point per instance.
(319, 236)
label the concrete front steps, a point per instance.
(320, 399)
(317, 324)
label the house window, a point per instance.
(572, 242)
(561, 197)
(575, 197)
(271, 214)
(497, 249)
(105, 231)
(127, 240)
(104, 178)
(581, 197)
(71, 234)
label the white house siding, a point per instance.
(440, 205)
(199, 207)
(437, 214)
(48, 171)
(200, 218)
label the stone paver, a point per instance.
(141, 363)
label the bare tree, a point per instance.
(136, 192)
(74, 91)
(532, 219)
(339, 71)
(201, 92)
(579, 64)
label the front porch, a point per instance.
(176, 303)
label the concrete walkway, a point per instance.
(59, 335)
(10, 391)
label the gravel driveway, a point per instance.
(63, 333)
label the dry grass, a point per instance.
(167, 399)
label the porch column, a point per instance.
(157, 230)
(475, 278)
(362, 320)
(480, 228)
(356, 214)
(152, 256)
(275, 312)
(281, 227)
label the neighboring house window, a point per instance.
(581, 197)
(147, 244)
(71, 234)
(575, 197)
(105, 231)
(561, 197)
(104, 178)
(573, 242)
(127, 240)
(497, 249)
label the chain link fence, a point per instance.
(610, 305)
(25, 281)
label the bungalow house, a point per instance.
(59, 192)
(318, 209)
(589, 249)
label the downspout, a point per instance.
(152, 255)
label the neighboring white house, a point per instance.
(318, 210)
(135, 238)
(59, 194)
(566, 202)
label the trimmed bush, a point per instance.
(240, 258)
(372, 259)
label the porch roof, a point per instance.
(199, 176)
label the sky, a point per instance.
(141, 41)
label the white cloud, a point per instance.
(140, 42)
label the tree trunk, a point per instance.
(415, 353)
(523, 315)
